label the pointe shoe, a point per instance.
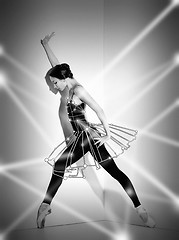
(146, 218)
(43, 211)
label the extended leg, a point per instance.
(109, 165)
(125, 182)
(115, 172)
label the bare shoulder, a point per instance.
(79, 89)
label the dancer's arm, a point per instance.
(84, 96)
(51, 56)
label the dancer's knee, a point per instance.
(59, 168)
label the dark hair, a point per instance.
(56, 71)
(49, 83)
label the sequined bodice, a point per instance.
(76, 115)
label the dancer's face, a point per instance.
(58, 84)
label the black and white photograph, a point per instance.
(89, 101)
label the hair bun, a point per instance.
(64, 66)
(56, 71)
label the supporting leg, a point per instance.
(57, 178)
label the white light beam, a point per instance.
(175, 3)
(161, 116)
(136, 40)
(145, 90)
(21, 218)
(60, 205)
(30, 96)
(20, 164)
(29, 117)
(161, 138)
(151, 178)
(24, 69)
(3, 80)
(133, 83)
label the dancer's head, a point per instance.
(56, 76)
(61, 71)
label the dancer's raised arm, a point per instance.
(51, 56)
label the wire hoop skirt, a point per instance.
(120, 140)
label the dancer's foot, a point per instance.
(146, 218)
(43, 211)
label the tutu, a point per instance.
(120, 140)
(87, 133)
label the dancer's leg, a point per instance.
(115, 172)
(109, 165)
(125, 182)
(57, 178)
(60, 166)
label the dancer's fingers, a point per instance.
(52, 34)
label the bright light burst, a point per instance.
(122, 236)
(177, 102)
(2, 236)
(176, 59)
(1, 169)
(177, 203)
(3, 79)
(175, 2)
(21, 164)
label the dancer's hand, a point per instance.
(102, 140)
(47, 38)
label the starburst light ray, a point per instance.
(154, 198)
(21, 164)
(160, 138)
(146, 90)
(153, 24)
(161, 116)
(176, 59)
(30, 96)
(148, 76)
(151, 178)
(24, 69)
(175, 3)
(29, 117)
(60, 205)
(177, 203)
(21, 218)
(3, 80)
(2, 236)
(113, 215)
(177, 102)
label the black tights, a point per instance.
(99, 154)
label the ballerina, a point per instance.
(98, 139)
